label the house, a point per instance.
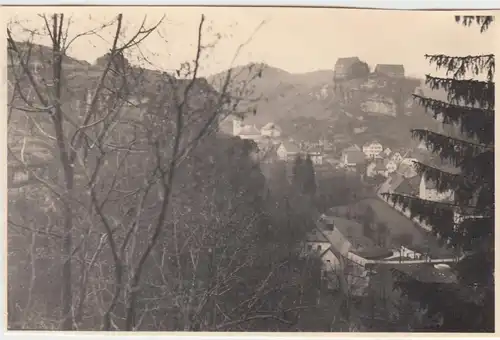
(406, 171)
(271, 130)
(250, 132)
(370, 169)
(268, 153)
(372, 149)
(423, 188)
(422, 146)
(387, 151)
(409, 186)
(396, 157)
(287, 151)
(316, 155)
(380, 169)
(376, 167)
(390, 166)
(316, 242)
(352, 157)
(410, 161)
(350, 68)
(392, 71)
(245, 131)
(428, 191)
(358, 130)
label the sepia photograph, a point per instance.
(249, 169)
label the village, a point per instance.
(339, 236)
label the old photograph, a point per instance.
(249, 169)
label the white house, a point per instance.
(387, 151)
(428, 191)
(372, 149)
(287, 151)
(422, 146)
(245, 131)
(316, 155)
(250, 132)
(396, 157)
(409, 161)
(317, 243)
(352, 156)
(271, 130)
(375, 168)
(407, 171)
(390, 166)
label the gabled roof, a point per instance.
(271, 126)
(290, 147)
(372, 142)
(355, 156)
(346, 62)
(390, 69)
(409, 186)
(430, 184)
(387, 161)
(314, 150)
(354, 147)
(316, 236)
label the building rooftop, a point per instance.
(426, 273)
(409, 186)
(290, 147)
(249, 130)
(355, 156)
(390, 69)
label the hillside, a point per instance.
(278, 94)
(311, 106)
(146, 90)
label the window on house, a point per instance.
(309, 247)
(319, 248)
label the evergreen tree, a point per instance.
(298, 172)
(466, 223)
(309, 177)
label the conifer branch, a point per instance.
(474, 122)
(484, 21)
(444, 181)
(456, 151)
(465, 91)
(459, 67)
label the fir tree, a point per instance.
(309, 177)
(465, 223)
(298, 172)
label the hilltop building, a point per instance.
(350, 68)
(392, 71)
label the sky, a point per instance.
(296, 40)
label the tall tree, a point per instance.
(298, 172)
(466, 223)
(309, 177)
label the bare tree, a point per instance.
(115, 137)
